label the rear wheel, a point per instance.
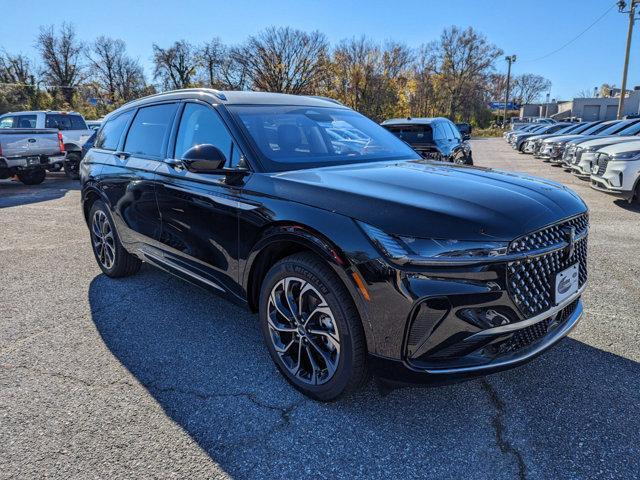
(312, 329)
(32, 177)
(72, 165)
(111, 256)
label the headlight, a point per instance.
(630, 155)
(431, 251)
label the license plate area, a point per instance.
(567, 283)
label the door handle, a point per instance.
(177, 164)
(123, 155)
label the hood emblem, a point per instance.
(570, 233)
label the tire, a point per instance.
(113, 259)
(72, 165)
(32, 177)
(56, 167)
(342, 341)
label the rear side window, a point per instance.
(439, 132)
(77, 122)
(149, 130)
(111, 133)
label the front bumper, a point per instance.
(619, 179)
(441, 324)
(402, 372)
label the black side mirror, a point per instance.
(204, 158)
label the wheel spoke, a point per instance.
(314, 366)
(288, 295)
(282, 350)
(330, 338)
(280, 328)
(279, 307)
(326, 357)
(319, 309)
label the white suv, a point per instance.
(616, 170)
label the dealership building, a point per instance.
(586, 109)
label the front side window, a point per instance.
(149, 130)
(6, 122)
(201, 125)
(26, 121)
(295, 137)
(109, 136)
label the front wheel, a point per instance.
(312, 329)
(32, 177)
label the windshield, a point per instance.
(630, 130)
(412, 134)
(295, 137)
(618, 127)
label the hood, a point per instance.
(604, 141)
(426, 199)
(542, 137)
(621, 147)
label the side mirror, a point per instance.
(466, 136)
(204, 158)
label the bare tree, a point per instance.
(175, 66)
(61, 54)
(463, 61)
(284, 60)
(528, 87)
(119, 76)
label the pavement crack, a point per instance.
(498, 424)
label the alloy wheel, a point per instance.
(104, 243)
(303, 331)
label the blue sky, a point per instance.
(527, 28)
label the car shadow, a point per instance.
(55, 185)
(570, 413)
(632, 207)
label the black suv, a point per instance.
(434, 138)
(359, 255)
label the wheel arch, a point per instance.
(72, 147)
(285, 239)
(90, 194)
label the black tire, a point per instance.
(123, 264)
(56, 167)
(351, 372)
(32, 177)
(72, 165)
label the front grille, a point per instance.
(577, 156)
(602, 160)
(528, 335)
(531, 282)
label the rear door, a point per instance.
(199, 211)
(127, 177)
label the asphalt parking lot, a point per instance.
(150, 377)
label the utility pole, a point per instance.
(632, 12)
(510, 59)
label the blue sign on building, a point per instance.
(500, 106)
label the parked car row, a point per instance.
(605, 152)
(30, 131)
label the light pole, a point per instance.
(510, 59)
(632, 12)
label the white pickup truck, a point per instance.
(71, 125)
(28, 152)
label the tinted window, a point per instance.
(455, 133)
(302, 137)
(149, 129)
(110, 134)
(57, 120)
(440, 133)
(412, 134)
(77, 122)
(25, 121)
(6, 122)
(200, 124)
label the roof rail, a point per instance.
(328, 99)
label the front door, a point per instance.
(199, 211)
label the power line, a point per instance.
(576, 37)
